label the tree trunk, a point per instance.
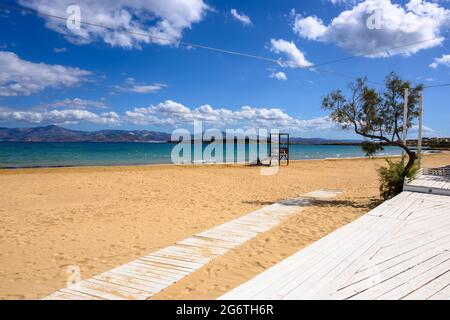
(411, 160)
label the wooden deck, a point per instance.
(427, 182)
(146, 276)
(399, 250)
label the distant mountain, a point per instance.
(54, 133)
(323, 141)
(58, 134)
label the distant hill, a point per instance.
(58, 134)
(322, 141)
(55, 133)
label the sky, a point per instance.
(149, 70)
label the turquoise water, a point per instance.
(44, 154)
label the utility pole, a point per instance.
(405, 119)
(419, 141)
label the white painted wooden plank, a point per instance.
(152, 281)
(384, 286)
(148, 276)
(413, 242)
(338, 277)
(195, 252)
(349, 261)
(127, 282)
(306, 261)
(443, 294)
(372, 268)
(380, 280)
(173, 261)
(166, 268)
(432, 241)
(423, 234)
(117, 290)
(180, 256)
(101, 291)
(67, 294)
(148, 266)
(422, 274)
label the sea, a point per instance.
(66, 154)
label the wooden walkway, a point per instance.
(429, 183)
(146, 276)
(399, 250)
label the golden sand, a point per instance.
(98, 218)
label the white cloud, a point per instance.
(147, 88)
(345, 2)
(311, 28)
(137, 87)
(175, 114)
(59, 50)
(294, 57)
(278, 75)
(78, 103)
(70, 116)
(160, 22)
(242, 18)
(425, 130)
(21, 77)
(444, 61)
(413, 24)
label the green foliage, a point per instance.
(371, 148)
(392, 178)
(378, 116)
(375, 114)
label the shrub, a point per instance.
(392, 177)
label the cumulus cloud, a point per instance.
(21, 77)
(371, 27)
(176, 114)
(131, 85)
(311, 28)
(278, 75)
(69, 116)
(345, 2)
(443, 61)
(78, 103)
(294, 57)
(242, 18)
(150, 21)
(172, 114)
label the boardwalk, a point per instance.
(146, 276)
(429, 183)
(399, 250)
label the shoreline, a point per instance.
(195, 164)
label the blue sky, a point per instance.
(93, 78)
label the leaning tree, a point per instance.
(377, 115)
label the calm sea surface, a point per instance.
(44, 154)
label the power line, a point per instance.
(350, 77)
(226, 51)
(141, 34)
(233, 52)
(377, 51)
(437, 85)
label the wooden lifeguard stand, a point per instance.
(279, 148)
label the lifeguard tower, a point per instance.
(279, 148)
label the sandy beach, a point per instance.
(97, 218)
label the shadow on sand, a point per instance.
(369, 204)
